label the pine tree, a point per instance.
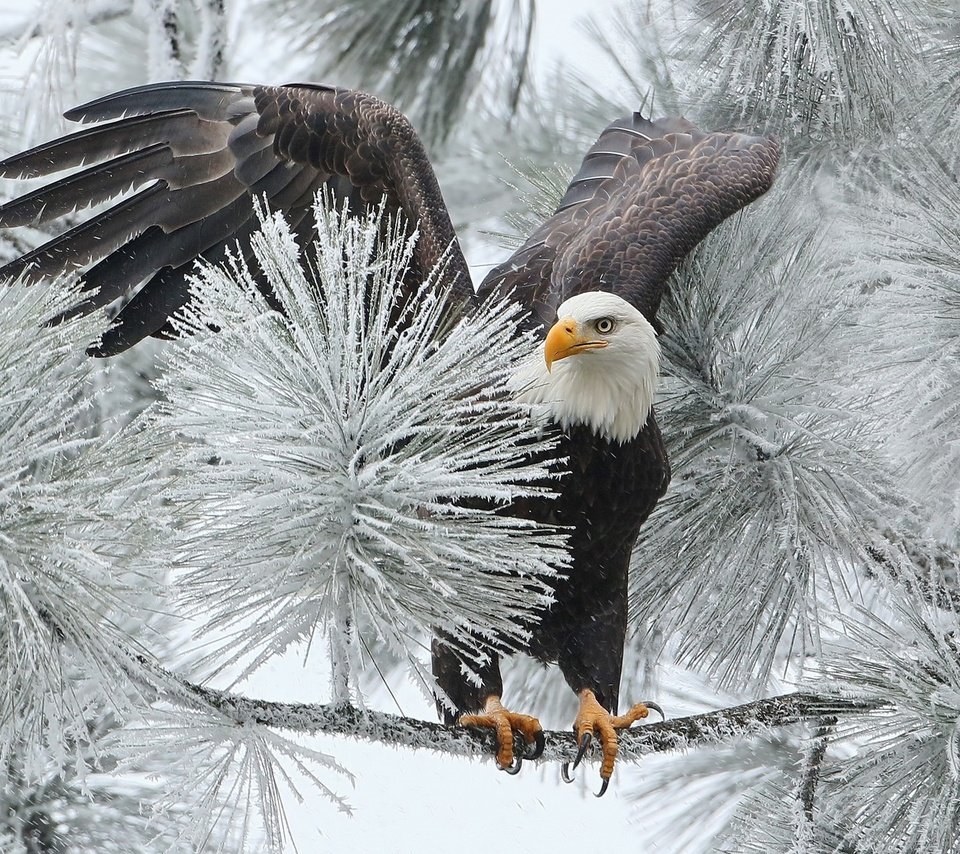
(807, 548)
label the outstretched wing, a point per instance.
(646, 194)
(187, 160)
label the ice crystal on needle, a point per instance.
(336, 469)
(62, 582)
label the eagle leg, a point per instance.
(593, 718)
(505, 723)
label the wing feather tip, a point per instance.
(123, 103)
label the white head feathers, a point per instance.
(598, 367)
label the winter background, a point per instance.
(809, 399)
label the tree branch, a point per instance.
(812, 762)
(212, 40)
(346, 720)
(168, 61)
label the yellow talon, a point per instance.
(504, 723)
(593, 718)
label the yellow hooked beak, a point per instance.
(565, 339)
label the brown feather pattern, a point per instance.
(646, 194)
(192, 157)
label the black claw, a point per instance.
(537, 748)
(565, 773)
(515, 767)
(585, 740)
(656, 707)
(603, 788)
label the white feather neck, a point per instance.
(610, 390)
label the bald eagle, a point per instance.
(187, 159)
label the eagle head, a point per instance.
(598, 368)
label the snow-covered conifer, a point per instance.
(63, 587)
(71, 594)
(896, 787)
(333, 470)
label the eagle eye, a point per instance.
(605, 325)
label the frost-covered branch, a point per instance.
(212, 42)
(329, 468)
(342, 719)
(817, 69)
(812, 763)
(166, 50)
(71, 596)
(930, 573)
(750, 341)
(907, 659)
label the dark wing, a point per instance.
(187, 160)
(646, 194)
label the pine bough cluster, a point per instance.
(71, 592)
(331, 468)
(317, 472)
